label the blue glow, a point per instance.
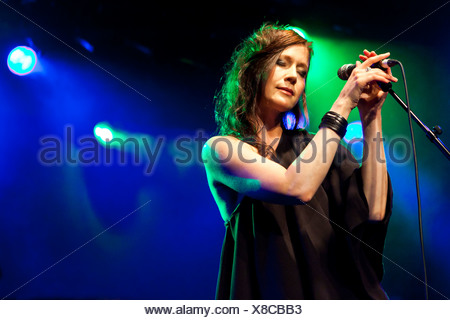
(289, 121)
(354, 140)
(103, 133)
(85, 44)
(354, 132)
(22, 60)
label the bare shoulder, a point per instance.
(224, 149)
(222, 143)
(216, 155)
(234, 169)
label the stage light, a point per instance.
(354, 132)
(103, 132)
(22, 60)
(354, 140)
(289, 121)
(85, 44)
(302, 33)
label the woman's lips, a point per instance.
(287, 91)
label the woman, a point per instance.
(303, 220)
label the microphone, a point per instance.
(345, 71)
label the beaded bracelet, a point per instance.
(335, 122)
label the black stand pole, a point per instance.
(431, 134)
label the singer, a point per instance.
(303, 219)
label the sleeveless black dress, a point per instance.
(325, 249)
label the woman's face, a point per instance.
(286, 81)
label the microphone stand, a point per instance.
(432, 135)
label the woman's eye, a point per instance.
(302, 74)
(281, 62)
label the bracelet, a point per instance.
(335, 122)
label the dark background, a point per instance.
(111, 231)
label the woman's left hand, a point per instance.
(372, 97)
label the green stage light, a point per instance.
(302, 33)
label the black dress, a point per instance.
(325, 249)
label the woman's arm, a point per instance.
(373, 169)
(374, 173)
(238, 165)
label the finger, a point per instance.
(374, 59)
(362, 74)
(387, 74)
(375, 77)
(389, 71)
(363, 78)
(369, 53)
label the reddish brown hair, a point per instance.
(236, 102)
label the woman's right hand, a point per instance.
(361, 77)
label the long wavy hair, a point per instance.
(236, 110)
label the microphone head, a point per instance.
(345, 71)
(387, 63)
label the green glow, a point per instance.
(109, 136)
(103, 132)
(323, 85)
(302, 33)
(112, 138)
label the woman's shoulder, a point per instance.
(225, 146)
(230, 138)
(217, 139)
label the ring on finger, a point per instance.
(368, 69)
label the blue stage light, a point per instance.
(354, 140)
(103, 132)
(289, 121)
(22, 60)
(85, 44)
(354, 132)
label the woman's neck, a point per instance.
(270, 130)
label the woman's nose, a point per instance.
(291, 75)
